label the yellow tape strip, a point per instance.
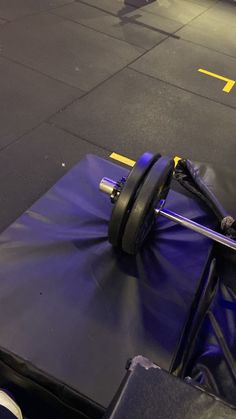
(122, 159)
(130, 162)
(229, 83)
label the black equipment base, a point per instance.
(148, 392)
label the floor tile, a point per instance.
(178, 62)
(146, 114)
(215, 29)
(205, 3)
(65, 50)
(13, 9)
(115, 6)
(128, 14)
(28, 98)
(127, 28)
(33, 164)
(179, 10)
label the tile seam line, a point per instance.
(208, 48)
(127, 66)
(16, 140)
(95, 7)
(39, 12)
(115, 15)
(166, 38)
(182, 88)
(79, 137)
(44, 121)
(196, 17)
(62, 18)
(185, 40)
(83, 93)
(48, 123)
(154, 46)
(160, 31)
(86, 93)
(98, 31)
(166, 34)
(12, 60)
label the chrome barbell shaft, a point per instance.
(108, 186)
(192, 225)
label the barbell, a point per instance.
(140, 198)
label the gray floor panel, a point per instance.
(144, 31)
(179, 10)
(32, 165)
(205, 3)
(65, 50)
(215, 29)
(146, 114)
(177, 62)
(27, 99)
(14, 9)
(223, 11)
(129, 14)
(114, 6)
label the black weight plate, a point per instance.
(125, 201)
(154, 188)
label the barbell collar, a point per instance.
(107, 186)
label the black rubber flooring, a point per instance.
(97, 76)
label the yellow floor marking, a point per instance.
(229, 83)
(130, 162)
(122, 159)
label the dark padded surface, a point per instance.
(144, 113)
(177, 62)
(80, 58)
(212, 358)
(221, 181)
(76, 309)
(31, 166)
(150, 393)
(125, 112)
(27, 99)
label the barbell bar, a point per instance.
(111, 188)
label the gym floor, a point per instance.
(97, 76)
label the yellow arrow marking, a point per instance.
(229, 83)
(130, 162)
